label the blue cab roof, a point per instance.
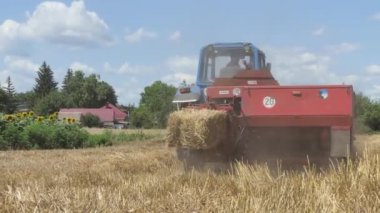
(230, 45)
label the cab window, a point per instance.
(261, 60)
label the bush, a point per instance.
(3, 144)
(104, 139)
(14, 137)
(39, 135)
(70, 136)
(90, 120)
(372, 116)
(141, 117)
(138, 136)
(45, 136)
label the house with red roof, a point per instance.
(109, 114)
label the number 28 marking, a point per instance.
(269, 102)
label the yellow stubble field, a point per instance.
(145, 176)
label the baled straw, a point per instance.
(197, 129)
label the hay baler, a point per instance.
(267, 122)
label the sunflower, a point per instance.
(51, 117)
(31, 114)
(40, 119)
(24, 114)
(9, 117)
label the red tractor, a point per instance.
(268, 122)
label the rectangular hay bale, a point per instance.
(196, 129)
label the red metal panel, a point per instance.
(296, 120)
(243, 82)
(297, 101)
(255, 74)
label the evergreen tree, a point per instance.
(10, 92)
(3, 99)
(45, 81)
(67, 79)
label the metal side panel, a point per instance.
(186, 98)
(340, 142)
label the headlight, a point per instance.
(236, 92)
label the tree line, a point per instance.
(78, 90)
(367, 113)
(81, 91)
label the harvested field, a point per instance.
(127, 131)
(146, 177)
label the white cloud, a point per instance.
(127, 68)
(11, 39)
(140, 34)
(373, 69)
(320, 31)
(22, 71)
(351, 79)
(299, 66)
(129, 92)
(21, 64)
(55, 22)
(175, 36)
(376, 17)
(183, 64)
(21, 81)
(343, 48)
(82, 67)
(182, 68)
(3, 76)
(177, 78)
(374, 92)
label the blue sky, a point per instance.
(133, 43)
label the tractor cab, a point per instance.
(226, 60)
(226, 64)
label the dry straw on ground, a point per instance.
(199, 129)
(146, 177)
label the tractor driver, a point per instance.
(232, 68)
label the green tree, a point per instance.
(26, 100)
(10, 92)
(372, 115)
(105, 94)
(73, 88)
(3, 99)
(156, 102)
(50, 103)
(45, 81)
(361, 102)
(87, 91)
(66, 80)
(142, 117)
(90, 120)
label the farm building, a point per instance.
(109, 114)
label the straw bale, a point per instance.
(197, 129)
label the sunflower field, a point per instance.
(25, 130)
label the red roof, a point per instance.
(105, 115)
(119, 115)
(108, 113)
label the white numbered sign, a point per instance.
(269, 102)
